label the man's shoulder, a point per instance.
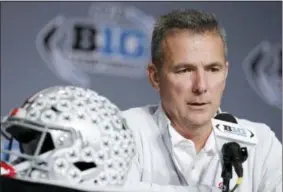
(142, 120)
(140, 111)
(261, 131)
(258, 127)
(140, 116)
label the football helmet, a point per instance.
(70, 134)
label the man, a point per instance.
(178, 144)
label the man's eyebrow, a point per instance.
(215, 64)
(183, 65)
(192, 66)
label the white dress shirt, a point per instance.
(189, 162)
(166, 161)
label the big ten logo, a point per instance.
(113, 39)
(88, 41)
(235, 130)
(263, 70)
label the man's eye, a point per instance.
(184, 70)
(214, 69)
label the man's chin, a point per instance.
(199, 119)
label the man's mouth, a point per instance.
(197, 103)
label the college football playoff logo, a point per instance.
(263, 70)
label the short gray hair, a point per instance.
(187, 19)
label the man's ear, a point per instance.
(227, 69)
(153, 77)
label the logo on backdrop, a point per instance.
(263, 70)
(113, 39)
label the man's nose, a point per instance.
(200, 82)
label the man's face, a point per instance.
(192, 77)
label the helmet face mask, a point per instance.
(70, 134)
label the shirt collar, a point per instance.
(161, 118)
(165, 125)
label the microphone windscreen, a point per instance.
(226, 117)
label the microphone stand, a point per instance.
(226, 174)
(233, 155)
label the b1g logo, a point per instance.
(231, 129)
(234, 130)
(263, 70)
(113, 39)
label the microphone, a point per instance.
(226, 117)
(233, 155)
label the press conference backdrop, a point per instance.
(105, 46)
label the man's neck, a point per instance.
(198, 135)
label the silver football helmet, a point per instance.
(70, 134)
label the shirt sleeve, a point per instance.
(271, 180)
(134, 179)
